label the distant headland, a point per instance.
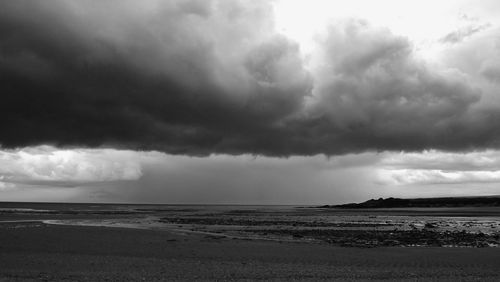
(478, 201)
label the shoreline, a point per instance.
(357, 240)
(352, 228)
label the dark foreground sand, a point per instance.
(39, 252)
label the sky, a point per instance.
(248, 102)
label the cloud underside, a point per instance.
(202, 77)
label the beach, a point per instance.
(38, 251)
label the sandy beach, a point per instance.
(31, 250)
(73, 253)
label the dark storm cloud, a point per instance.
(195, 76)
(200, 77)
(372, 92)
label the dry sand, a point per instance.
(32, 251)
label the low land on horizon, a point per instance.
(437, 202)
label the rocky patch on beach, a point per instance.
(349, 234)
(253, 222)
(378, 238)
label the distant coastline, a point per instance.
(478, 201)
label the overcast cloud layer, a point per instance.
(202, 77)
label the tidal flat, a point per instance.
(89, 242)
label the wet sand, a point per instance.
(36, 251)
